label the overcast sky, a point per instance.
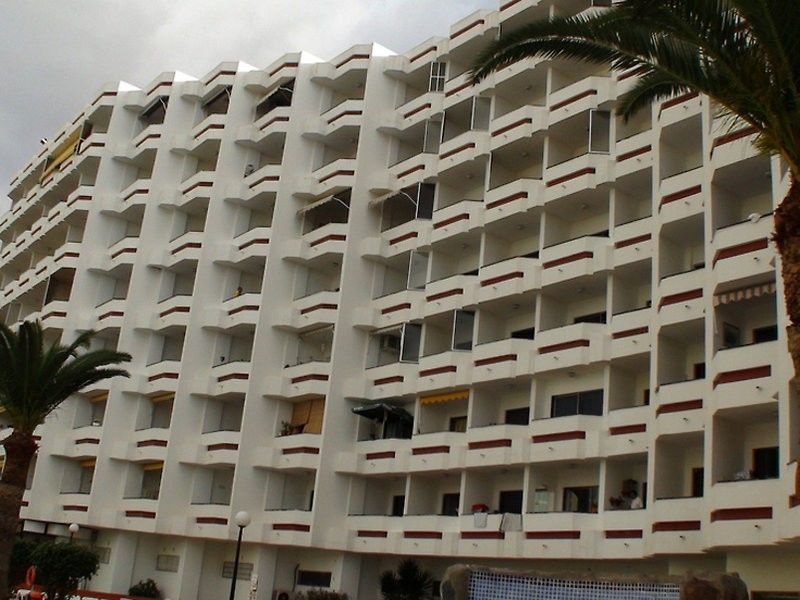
(55, 53)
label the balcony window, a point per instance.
(580, 499)
(407, 204)
(463, 325)
(161, 412)
(398, 344)
(155, 112)
(218, 104)
(332, 209)
(458, 424)
(151, 481)
(282, 96)
(387, 421)
(765, 463)
(518, 416)
(86, 477)
(306, 417)
(510, 502)
(597, 317)
(588, 402)
(398, 505)
(450, 504)
(438, 76)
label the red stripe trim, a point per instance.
(634, 240)
(402, 238)
(208, 128)
(274, 120)
(681, 194)
(676, 526)
(553, 535)
(411, 113)
(249, 307)
(379, 455)
(502, 278)
(506, 200)
(140, 514)
(568, 259)
(741, 514)
(623, 429)
(495, 359)
(483, 535)
(75, 508)
(283, 66)
(629, 332)
(211, 521)
(370, 533)
(334, 237)
(253, 242)
(152, 443)
(623, 534)
(502, 443)
(447, 294)
(350, 58)
(162, 376)
(450, 153)
(425, 535)
(672, 407)
(564, 346)
(385, 380)
(423, 53)
(739, 249)
(174, 309)
(438, 371)
(324, 306)
(300, 450)
(430, 450)
(467, 28)
(346, 113)
(311, 377)
(634, 153)
(677, 100)
(291, 527)
(742, 375)
(572, 99)
(222, 446)
(451, 220)
(682, 297)
(233, 377)
(502, 130)
(395, 308)
(568, 177)
(558, 437)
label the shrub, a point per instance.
(21, 554)
(324, 595)
(409, 582)
(61, 565)
(146, 589)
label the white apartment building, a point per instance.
(366, 300)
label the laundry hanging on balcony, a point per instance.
(747, 293)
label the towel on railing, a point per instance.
(479, 520)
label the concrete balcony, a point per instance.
(196, 187)
(457, 89)
(54, 314)
(316, 309)
(627, 431)
(172, 312)
(271, 126)
(393, 309)
(110, 314)
(682, 195)
(328, 239)
(743, 250)
(489, 540)
(136, 513)
(462, 149)
(576, 174)
(445, 369)
(578, 97)
(680, 296)
(450, 293)
(136, 194)
(356, 58)
(122, 252)
(634, 153)
(336, 175)
(677, 526)
(347, 114)
(427, 535)
(502, 359)
(160, 377)
(679, 108)
(382, 457)
(633, 241)
(517, 125)
(374, 533)
(575, 437)
(513, 198)
(218, 448)
(186, 247)
(464, 34)
(298, 452)
(500, 445)
(146, 445)
(209, 129)
(561, 534)
(742, 376)
(437, 451)
(457, 218)
(413, 234)
(75, 505)
(252, 244)
(231, 377)
(575, 258)
(412, 170)
(745, 512)
(729, 147)
(93, 147)
(148, 139)
(207, 518)
(237, 311)
(623, 533)
(630, 332)
(509, 277)
(263, 183)
(416, 110)
(309, 378)
(386, 381)
(679, 406)
(571, 345)
(81, 442)
(291, 527)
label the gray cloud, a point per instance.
(56, 53)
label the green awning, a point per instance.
(380, 412)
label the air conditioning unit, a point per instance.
(283, 595)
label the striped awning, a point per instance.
(754, 291)
(446, 397)
(99, 397)
(88, 463)
(320, 202)
(62, 153)
(399, 193)
(165, 397)
(156, 466)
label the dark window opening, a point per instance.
(518, 416)
(319, 579)
(589, 402)
(511, 502)
(155, 113)
(699, 370)
(524, 334)
(765, 463)
(450, 504)
(697, 482)
(280, 97)
(458, 424)
(398, 505)
(580, 499)
(598, 317)
(765, 334)
(218, 105)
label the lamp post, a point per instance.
(73, 529)
(242, 520)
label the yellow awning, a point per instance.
(446, 397)
(99, 397)
(159, 466)
(89, 463)
(62, 153)
(163, 397)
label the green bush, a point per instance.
(322, 595)
(21, 554)
(145, 589)
(409, 582)
(60, 566)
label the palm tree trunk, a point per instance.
(19, 448)
(787, 239)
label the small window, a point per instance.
(320, 579)
(564, 405)
(598, 317)
(398, 505)
(765, 463)
(588, 402)
(518, 416)
(765, 334)
(437, 77)
(511, 502)
(244, 573)
(168, 563)
(450, 504)
(458, 424)
(524, 334)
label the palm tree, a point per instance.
(743, 54)
(410, 582)
(34, 381)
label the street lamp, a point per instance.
(73, 529)
(242, 520)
